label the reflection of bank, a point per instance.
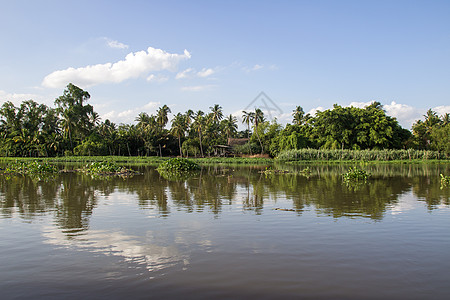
(117, 243)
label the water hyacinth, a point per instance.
(355, 174)
(33, 167)
(445, 181)
(178, 165)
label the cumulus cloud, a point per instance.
(133, 66)
(115, 44)
(198, 88)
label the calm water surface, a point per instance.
(219, 234)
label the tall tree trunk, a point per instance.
(179, 144)
(262, 149)
(201, 147)
(248, 136)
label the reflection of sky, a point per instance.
(117, 243)
(406, 202)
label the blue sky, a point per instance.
(135, 56)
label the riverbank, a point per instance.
(301, 157)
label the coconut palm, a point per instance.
(258, 118)
(178, 128)
(298, 115)
(247, 119)
(199, 125)
(216, 113)
(230, 126)
(162, 116)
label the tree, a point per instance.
(247, 119)
(257, 118)
(199, 125)
(216, 113)
(179, 128)
(298, 115)
(78, 119)
(162, 116)
(230, 126)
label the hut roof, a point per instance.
(236, 142)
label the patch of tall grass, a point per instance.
(359, 155)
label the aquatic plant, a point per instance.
(445, 181)
(178, 165)
(177, 169)
(106, 168)
(355, 174)
(33, 167)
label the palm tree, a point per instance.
(258, 117)
(161, 116)
(247, 118)
(230, 126)
(178, 128)
(199, 123)
(216, 113)
(298, 115)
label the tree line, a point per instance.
(72, 127)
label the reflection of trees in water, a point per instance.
(27, 197)
(428, 189)
(76, 201)
(72, 197)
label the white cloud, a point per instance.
(157, 78)
(442, 110)
(134, 65)
(185, 74)
(191, 73)
(115, 44)
(406, 115)
(257, 67)
(252, 69)
(313, 111)
(360, 104)
(197, 88)
(205, 72)
(128, 116)
(16, 99)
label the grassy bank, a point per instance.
(291, 156)
(152, 160)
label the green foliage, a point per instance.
(177, 169)
(355, 174)
(445, 181)
(33, 167)
(178, 165)
(74, 128)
